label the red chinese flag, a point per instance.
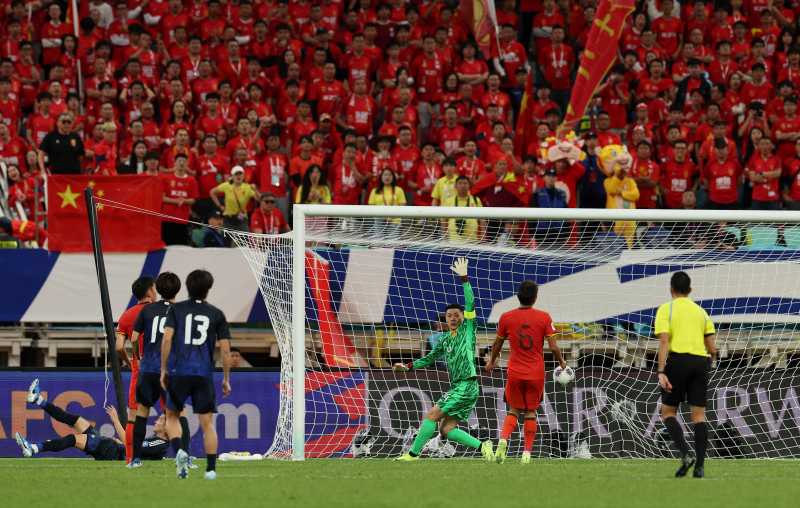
(337, 348)
(598, 57)
(526, 131)
(120, 230)
(510, 181)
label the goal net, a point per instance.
(372, 291)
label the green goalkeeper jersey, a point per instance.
(459, 349)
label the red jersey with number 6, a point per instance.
(526, 330)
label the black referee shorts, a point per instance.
(688, 375)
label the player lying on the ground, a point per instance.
(526, 328)
(87, 438)
(149, 326)
(187, 366)
(459, 348)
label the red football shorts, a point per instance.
(132, 390)
(524, 393)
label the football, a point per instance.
(563, 376)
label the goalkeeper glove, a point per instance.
(460, 267)
(402, 367)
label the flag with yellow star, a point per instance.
(120, 230)
(512, 183)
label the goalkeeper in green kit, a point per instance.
(459, 348)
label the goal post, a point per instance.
(362, 297)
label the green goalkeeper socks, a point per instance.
(459, 436)
(426, 432)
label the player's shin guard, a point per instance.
(531, 425)
(459, 436)
(186, 434)
(212, 461)
(509, 426)
(57, 445)
(128, 442)
(423, 436)
(700, 443)
(676, 433)
(58, 414)
(139, 432)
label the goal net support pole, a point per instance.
(306, 215)
(298, 335)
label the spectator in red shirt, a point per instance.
(427, 70)
(765, 170)
(786, 130)
(41, 122)
(180, 193)
(105, 152)
(669, 31)
(360, 112)
(722, 178)
(543, 25)
(267, 219)
(677, 176)
(557, 62)
(615, 97)
(648, 89)
(791, 174)
(645, 172)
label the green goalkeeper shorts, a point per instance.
(460, 400)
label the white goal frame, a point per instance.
(301, 212)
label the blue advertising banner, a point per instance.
(245, 422)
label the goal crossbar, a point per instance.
(595, 214)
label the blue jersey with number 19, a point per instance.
(150, 326)
(198, 326)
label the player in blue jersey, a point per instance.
(187, 365)
(87, 438)
(149, 326)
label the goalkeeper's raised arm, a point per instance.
(458, 402)
(461, 323)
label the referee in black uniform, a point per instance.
(685, 348)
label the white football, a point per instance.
(563, 376)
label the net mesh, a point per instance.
(375, 289)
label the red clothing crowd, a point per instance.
(278, 87)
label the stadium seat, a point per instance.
(792, 237)
(762, 237)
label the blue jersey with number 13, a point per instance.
(198, 326)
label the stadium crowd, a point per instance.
(243, 107)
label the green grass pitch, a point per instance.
(455, 483)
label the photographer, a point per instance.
(755, 118)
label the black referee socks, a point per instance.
(700, 442)
(676, 433)
(212, 461)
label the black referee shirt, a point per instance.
(63, 152)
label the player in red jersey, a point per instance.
(526, 328)
(144, 290)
